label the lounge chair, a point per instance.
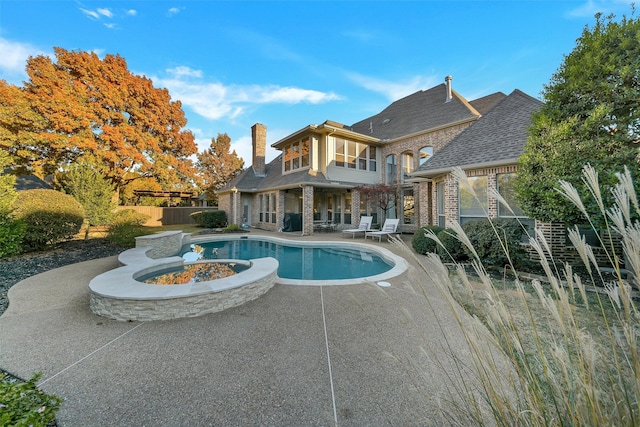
(390, 227)
(365, 225)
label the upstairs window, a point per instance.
(391, 175)
(296, 155)
(407, 165)
(354, 155)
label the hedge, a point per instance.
(423, 244)
(452, 250)
(49, 217)
(126, 225)
(210, 219)
(11, 234)
(488, 246)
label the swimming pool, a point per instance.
(299, 262)
(304, 262)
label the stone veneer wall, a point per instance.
(175, 308)
(164, 244)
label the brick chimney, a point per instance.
(259, 142)
(449, 94)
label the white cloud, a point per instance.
(132, 12)
(14, 58)
(289, 95)
(110, 26)
(184, 71)
(214, 100)
(105, 12)
(174, 11)
(394, 90)
(90, 13)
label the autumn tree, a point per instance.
(591, 115)
(80, 108)
(218, 165)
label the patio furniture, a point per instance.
(365, 225)
(325, 226)
(390, 227)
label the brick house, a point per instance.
(322, 173)
(488, 152)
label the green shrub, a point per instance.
(129, 216)
(231, 228)
(23, 404)
(210, 219)
(11, 234)
(126, 225)
(490, 250)
(124, 234)
(452, 250)
(49, 217)
(93, 191)
(423, 244)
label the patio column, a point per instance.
(355, 208)
(307, 210)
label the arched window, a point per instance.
(391, 172)
(407, 165)
(425, 154)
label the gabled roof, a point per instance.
(497, 138)
(486, 103)
(419, 112)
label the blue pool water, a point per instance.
(300, 263)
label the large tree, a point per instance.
(218, 165)
(591, 115)
(80, 108)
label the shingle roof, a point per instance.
(499, 136)
(273, 178)
(421, 111)
(486, 103)
(27, 182)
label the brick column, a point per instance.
(307, 210)
(452, 210)
(355, 208)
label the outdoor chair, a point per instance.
(390, 227)
(365, 225)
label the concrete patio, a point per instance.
(298, 356)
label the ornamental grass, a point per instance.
(572, 354)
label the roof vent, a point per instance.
(448, 82)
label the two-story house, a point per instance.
(324, 172)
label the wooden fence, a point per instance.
(168, 216)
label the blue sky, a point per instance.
(288, 64)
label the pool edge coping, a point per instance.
(400, 265)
